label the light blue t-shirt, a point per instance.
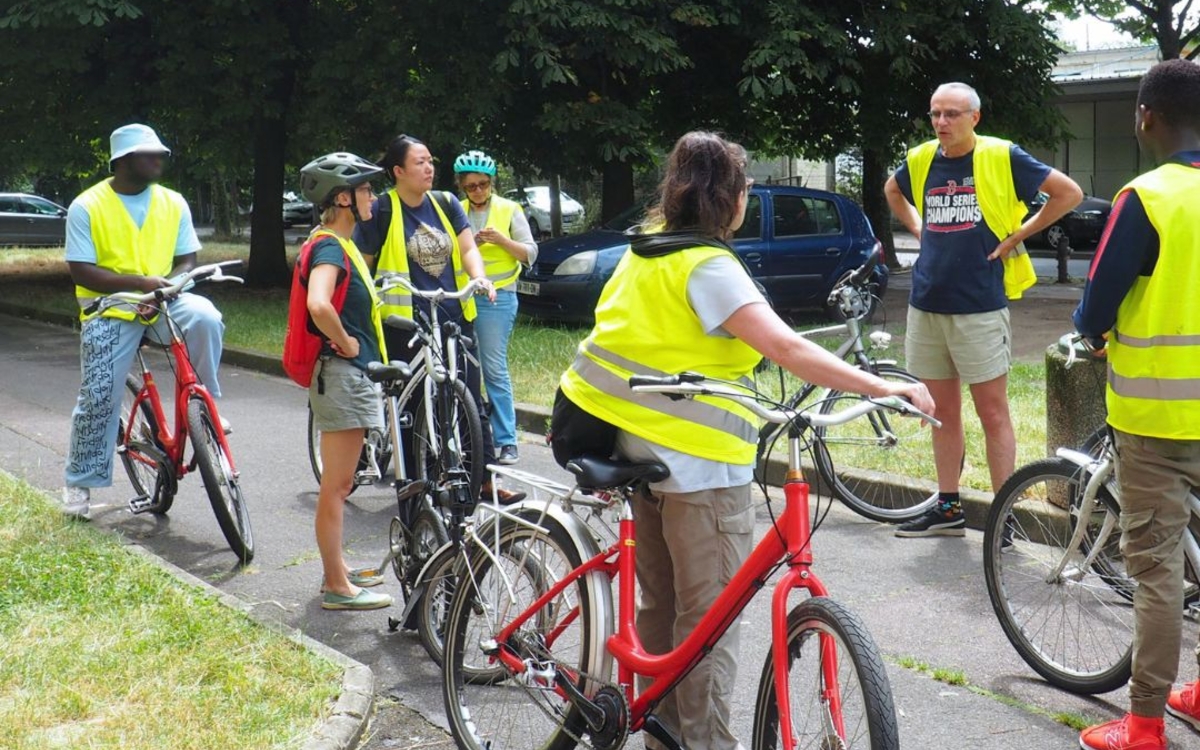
(81, 249)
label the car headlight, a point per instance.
(581, 264)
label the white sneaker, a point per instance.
(225, 426)
(76, 501)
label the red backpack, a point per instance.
(303, 342)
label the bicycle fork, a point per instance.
(798, 575)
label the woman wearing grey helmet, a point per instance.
(344, 402)
(506, 244)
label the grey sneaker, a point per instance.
(508, 455)
(76, 502)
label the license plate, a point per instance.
(532, 288)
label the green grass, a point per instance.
(105, 650)
(538, 354)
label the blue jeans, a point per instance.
(107, 349)
(493, 328)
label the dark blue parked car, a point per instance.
(796, 242)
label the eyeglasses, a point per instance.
(949, 114)
(474, 187)
(365, 188)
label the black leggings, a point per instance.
(398, 349)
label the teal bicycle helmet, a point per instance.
(475, 161)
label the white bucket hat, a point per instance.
(134, 139)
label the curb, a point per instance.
(530, 417)
(350, 715)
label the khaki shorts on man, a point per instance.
(974, 348)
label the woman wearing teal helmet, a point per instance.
(503, 237)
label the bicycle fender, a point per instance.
(427, 568)
(1079, 458)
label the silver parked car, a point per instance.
(31, 220)
(536, 202)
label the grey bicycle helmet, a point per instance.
(326, 176)
(475, 161)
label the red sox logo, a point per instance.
(951, 187)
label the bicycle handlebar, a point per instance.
(389, 281)
(208, 272)
(694, 384)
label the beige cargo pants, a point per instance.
(1155, 477)
(688, 547)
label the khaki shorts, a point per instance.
(343, 398)
(973, 348)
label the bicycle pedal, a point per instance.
(366, 477)
(140, 504)
(1192, 611)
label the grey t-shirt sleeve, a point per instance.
(717, 289)
(519, 231)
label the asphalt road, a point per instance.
(922, 599)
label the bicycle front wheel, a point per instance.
(838, 688)
(560, 641)
(463, 443)
(1067, 610)
(220, 482)
(868, 463)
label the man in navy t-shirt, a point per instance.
(953, 194)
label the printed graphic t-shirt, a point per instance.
(952, 274)
(429, 248)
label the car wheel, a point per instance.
(1054, 236)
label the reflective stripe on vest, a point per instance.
(121, 247)
(1154, 351)
(1003, 211)
(393, 258)
(645, 325)
(499, 264)
(364, 273)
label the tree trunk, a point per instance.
(223, 208)
(268, 256)
(874, 175)
(556, 229)
(617, 192)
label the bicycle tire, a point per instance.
(442, 574)
(432, 465)
(427, 535)
(568, 632)
(856, 461)
(138, 445)
(868, 712)
(224, 491)
(1039, 521)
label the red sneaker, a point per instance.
(1127, 733)
(1185, 704)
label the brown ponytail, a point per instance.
(704, 180)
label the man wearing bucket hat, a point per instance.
(127, 234)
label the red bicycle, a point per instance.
(155, 455)
(529, 637)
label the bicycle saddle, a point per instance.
(602, 474)
(378, 372)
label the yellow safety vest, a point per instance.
(364, 273)
(1002, 210)
(645, 326)
(499, 264)
(393, 258)
(1154, 350)
(121, 247)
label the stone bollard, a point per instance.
(1075, 397)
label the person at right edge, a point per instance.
(1141, 298)
(696, 527)
(963, 196)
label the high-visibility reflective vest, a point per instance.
(645, 326)
(499, 264)
(1154, 349)
(121, 247)
(1002, 210)
(364, 272)
(393, 258)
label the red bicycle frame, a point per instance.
(790, 540)
(187, 386)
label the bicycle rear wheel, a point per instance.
(220, 482)
(150, 471)
(866, 462)
(1067, 612)
(825, 639)
(563, 640)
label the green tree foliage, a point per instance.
(1174, 25)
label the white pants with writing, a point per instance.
(107, 351)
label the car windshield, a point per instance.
(627, 219)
